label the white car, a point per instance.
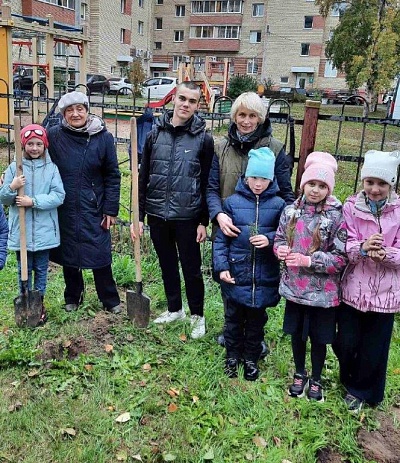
(158, 87)
(121, 85)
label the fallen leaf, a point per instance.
(396, 371)
(33, 373)
(68, 432)
(88, 367)
(249, 456)
(175, 390)
(169, 457)
(137, 457)
(286, 461)
(260, 442)
(5, 330)
(129, 337)
(143, 383)
(277, 441)
(111, 408)
(123, 418)
(171, 393)
(146, 367)
(195, 399)
(108, 348)
(172, 408)
(183, 337)
(67, 344)
(122, 455)
(15, 407)
(209, 455)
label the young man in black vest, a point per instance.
(173, 178)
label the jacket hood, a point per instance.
(262, 131)
(359, 201)
(331, 203)
(194, 125)
(243, 189)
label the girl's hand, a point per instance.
(133, 234)
(226, 277)
(259, 241)
(295, 259)
(377, 256)
(17, 182)
(373, 243)
(283, 252)
(226, 225)
(24, 201)
(201, 234)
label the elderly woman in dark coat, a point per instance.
(85, 154)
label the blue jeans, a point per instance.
(38, 262)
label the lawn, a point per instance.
(90, 388)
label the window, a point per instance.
(227, 32)
(157, 45)
(178, 36)
(330, 71)
(339, 8)
(308, 22)
(122, 35)
(252, 66)
(202, 32)
(141, 3)
(284, 79)
(83, 11)
(305, 49)
(159, 23)
(176, 61)
(64, 3)
(60, 49)
(123, 6)
(159, 2)
(255, 36)
(258, 9)
(216, 6)
(180, 10)
(140, 27)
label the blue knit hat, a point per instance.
(261, 163)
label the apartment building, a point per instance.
(282, 42)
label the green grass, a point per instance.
(182, 407)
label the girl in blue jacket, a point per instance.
(246, 266)
(44, 192)
(3, 238)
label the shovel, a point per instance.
(137, 303)
(28, 305)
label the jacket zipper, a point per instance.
(168, 195)
(253, 295)
(78, 204)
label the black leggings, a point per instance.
(318, 355)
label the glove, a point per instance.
(295, 259)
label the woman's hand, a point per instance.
(226, 277)
(373, 243)
(226, 225)
(259, 241)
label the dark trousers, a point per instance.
(244, 331)
(362, 348)
(318, 356)
(103, 279)
(174, 242)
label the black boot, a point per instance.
(251, 370)
(231, 367)
(265, 350)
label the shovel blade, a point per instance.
(138, 307)
(28, 309)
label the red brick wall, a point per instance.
(318, 22)
(230, 20)
(42, 9)
(214, 44)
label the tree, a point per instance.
(136, 75)
(366, 43)
(241, 83)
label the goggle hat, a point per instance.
(34, 131)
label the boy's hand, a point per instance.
(226, 276)
(201, 234)
(17, 182)
(259, 241)
(24, 201)
(295, 259)
(282, 252)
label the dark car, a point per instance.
(23, 80)
(97, 83)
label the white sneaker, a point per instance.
(168, 317)
(198, 325)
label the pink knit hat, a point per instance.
(34, 131)
(320, 166)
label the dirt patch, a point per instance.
(329, 456)
(99, 335)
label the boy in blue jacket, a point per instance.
(246, 266)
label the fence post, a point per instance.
(308, 135)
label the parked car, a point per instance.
(23, 80)
(120, 85)
(158, 87)
(340, 96)
(97, 83)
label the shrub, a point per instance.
(241, 83)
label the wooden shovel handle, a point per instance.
(21, 192)
(135, 199)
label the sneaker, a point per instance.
(198, 326)
(315, 391)
(231, 367)
(71, 307)
(168, 317)
(251, 370)
(115, 310)
(353, 404)
(299, 386)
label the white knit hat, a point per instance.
(319, 166)
(382, 165)
(72, 98)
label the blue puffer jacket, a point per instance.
(3, 237)
(256, 271)
(89, 169)
(44, 186)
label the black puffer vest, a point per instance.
(173, 191)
